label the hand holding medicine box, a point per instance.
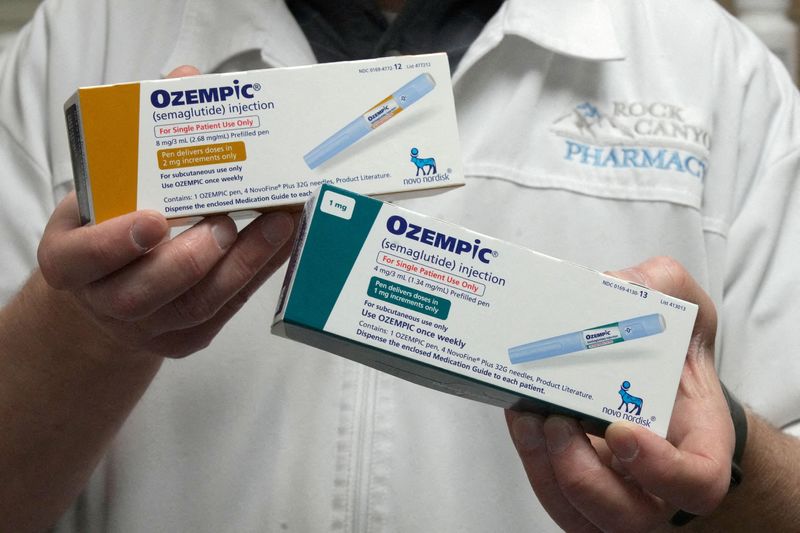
(467, 314)
(262, 139)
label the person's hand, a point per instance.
(142, 292)
(635, 480)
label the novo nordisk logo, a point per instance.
(397, 225)
(629, 401)
(161, 98)
(654, 135)
(423, 163)
(632, 407)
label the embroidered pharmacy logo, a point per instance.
(422, 164)
(643, 135)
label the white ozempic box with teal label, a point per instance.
(475, 316)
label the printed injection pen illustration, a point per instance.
(625, 330)
(378, 114)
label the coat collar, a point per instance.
(578, 28)
(213, 31)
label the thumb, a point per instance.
(692, 478)
(667, 275)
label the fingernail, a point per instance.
(528, 433)
(223, 234)
(146, 232)
(276, 227)
(558, 433)
(622, 442)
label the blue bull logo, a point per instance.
(423, 163)
(633, 404)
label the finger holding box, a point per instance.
(648, 478)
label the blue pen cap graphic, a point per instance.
(414, 90)
(533, 351)
(642, 326)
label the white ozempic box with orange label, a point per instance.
(266, 138)
(451, 309)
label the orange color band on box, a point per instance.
(112, 147)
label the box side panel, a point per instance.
(294, 259)
(78, 156)
(110, 117)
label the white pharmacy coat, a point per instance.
(601, 132)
